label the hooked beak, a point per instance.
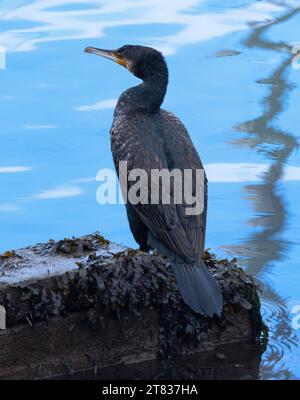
(110, 54)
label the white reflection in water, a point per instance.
(53, 21)
(265, 247)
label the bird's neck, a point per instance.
(147, 97)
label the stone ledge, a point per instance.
(87, 304)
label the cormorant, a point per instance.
(149, 137)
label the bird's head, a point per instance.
(142, 61)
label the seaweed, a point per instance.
(111, 285)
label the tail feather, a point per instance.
(198, 288)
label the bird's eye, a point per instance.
(121, 49)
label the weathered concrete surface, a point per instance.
(85, 305)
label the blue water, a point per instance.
(219, 57)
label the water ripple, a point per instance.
(264, 248)
(278, 361)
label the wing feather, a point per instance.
(167, 145)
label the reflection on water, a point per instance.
(265, 246)
(231, 361)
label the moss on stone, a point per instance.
(133, 282)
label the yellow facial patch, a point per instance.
(121, 61)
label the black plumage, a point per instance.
(149, 137)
